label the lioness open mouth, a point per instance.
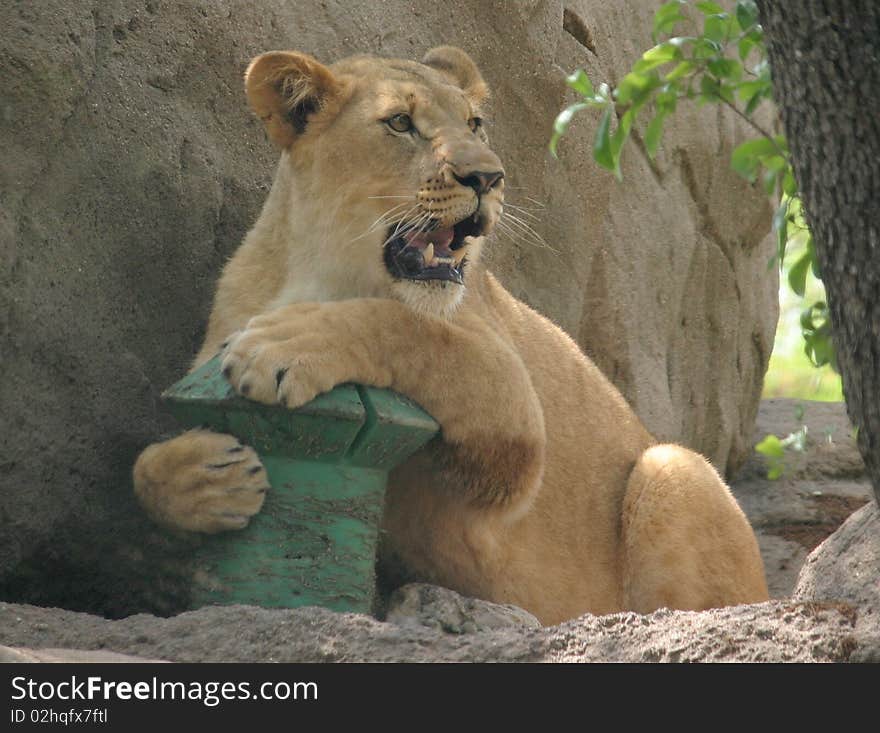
(432, 254)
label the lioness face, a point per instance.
(393, 159)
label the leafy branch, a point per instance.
(722, 61)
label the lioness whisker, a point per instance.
(518, 223)
(516, 237)
(420, 221)
(392, 215)
(522, 210)
(525, 235)
(512, 233)
(514, 220)
(387, 218)
(517, 220)
(401, 225)
(536, 205)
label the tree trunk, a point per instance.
(825, 59)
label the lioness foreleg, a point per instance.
(462, 372)
(201, 482)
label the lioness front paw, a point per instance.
(287, 357)
(201, 482)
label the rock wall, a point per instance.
(132, 169)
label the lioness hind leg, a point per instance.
(200, 482)
(686, 542)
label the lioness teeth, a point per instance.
(431, 259)
(458, 254)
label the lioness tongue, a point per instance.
(441, 239)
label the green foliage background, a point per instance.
(791, 373)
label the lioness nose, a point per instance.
(481, 181)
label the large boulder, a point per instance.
(844, 570)
(132, 169)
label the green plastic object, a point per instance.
(314, 542)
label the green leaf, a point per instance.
(797, 275)
(563, 120)
(667, 16)
(728, 69)
(635, 87)
(725, 91)
(620, 135)
(746, 158)
(682, 69)
(709, 89)
(709, 8)
(580, 82)
(771, 447)
(789, 186)
(808, 315)
(706, 48)
(660, 54)
(602, 143)
(753, 105)
(744, 47)
(746, 13)
(775, 471)
(748, 90)
(667, 99)
(774, 162)
(748, 154)
(712, 90)
(653, 134)
(819, 349)
(715, 27)
(734, 31)
(771, 179)
(816, 330)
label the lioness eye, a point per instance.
(475, 123)
(400, 123)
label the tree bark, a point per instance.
(825, 60)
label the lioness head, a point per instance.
(393, 184)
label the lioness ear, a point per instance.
(284, 88)
(458, 66)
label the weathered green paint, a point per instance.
(314, 542)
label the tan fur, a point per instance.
(545, 491)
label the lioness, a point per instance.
(545, 490)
